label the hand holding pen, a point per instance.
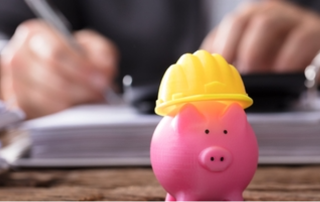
(42, 73)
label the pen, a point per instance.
(53, 17)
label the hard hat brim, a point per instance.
(169, 107)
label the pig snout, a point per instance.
(215, 159)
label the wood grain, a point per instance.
(139, 184)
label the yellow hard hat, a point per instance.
(200, 77)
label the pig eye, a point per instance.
(225, 132)
(207, 131)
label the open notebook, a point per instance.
(102, 135)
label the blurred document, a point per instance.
(90, 135)
(102, 135)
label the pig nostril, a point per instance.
(221, 159)
(212, 159)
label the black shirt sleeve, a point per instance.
(14, 12)
(313, 5)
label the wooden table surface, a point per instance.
(269, 183)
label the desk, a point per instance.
(270, 183)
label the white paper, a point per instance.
(119, 132)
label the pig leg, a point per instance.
(170, 198)
(180, 197)
(187, 197)
(236, 196)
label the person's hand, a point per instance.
(42, 74)
(268, 36)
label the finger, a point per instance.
(260, 43)
(7, 89)
(24, 71)
(207, 43)
(300, 48)
(21, 94)
(37, 76)
(39, 98)
(60, 62)
(8, 58)
(33, 75)
(100, 51)
(52, 48)
(40, 104)
(226, 38)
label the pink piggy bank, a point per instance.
(208, 151)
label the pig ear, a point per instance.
(188, 118)
(234, 115)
